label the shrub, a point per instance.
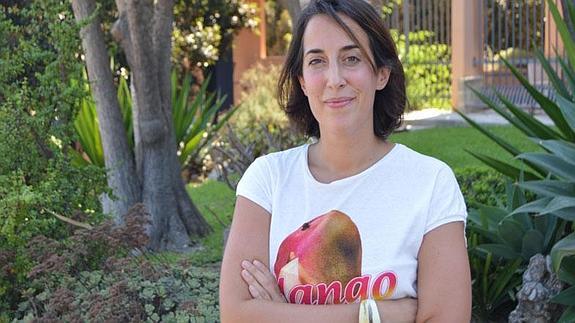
(259, 108)
(94, 276)
(258, 99)
(427, 70)
(258, 126)
(480, 185)
(39, 93)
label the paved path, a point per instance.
(441, 118)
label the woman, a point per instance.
(369, 229)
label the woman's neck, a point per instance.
(334, 158)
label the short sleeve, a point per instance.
(255, 184)
(447, 203)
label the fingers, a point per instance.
(261, 282)
(268, 281)
(254, 287)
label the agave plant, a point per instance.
(193, 121)
(549, 174)
(495, 282)
(509, 234)
(499, 245)
(86, 126)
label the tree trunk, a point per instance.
(144, 30)
(119, 161)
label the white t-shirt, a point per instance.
(367, 228)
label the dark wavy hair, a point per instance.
(389, 103)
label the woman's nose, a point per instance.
(335, 78)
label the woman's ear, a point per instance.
(302, 84)
(382, 77)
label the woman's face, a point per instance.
(337, 78)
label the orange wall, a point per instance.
(249, 47)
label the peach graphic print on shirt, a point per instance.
(320, 263)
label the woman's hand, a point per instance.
(261, 282)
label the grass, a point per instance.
(215, 200)
(449, 144)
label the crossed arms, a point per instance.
(249, 293)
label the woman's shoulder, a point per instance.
(417, 160)
(284, 157)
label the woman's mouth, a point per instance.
(338, 102)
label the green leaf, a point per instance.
(565, 297)
(503, 167)
(515, 195)
(550, 108)
(77, 159)
(551, 73)
(504, 279)
(493, 215)
(485, 221)
(568, 109)
(560, 148)
(500, 250)
(563, 32)
(549, 187)
(190, 146)
(559, 206)
(538, 128)
(546, 225)
(567, 70)
(560, 203)
(567, 270)
(565, 214)
(125, 101)
(498, 140)
(568, 315)
(511, 232)
(180, 97)
(532, 244)
(86, 126)
(533, 207)
(486, 234)
(553, 164)
(562, 249)
(509, 117)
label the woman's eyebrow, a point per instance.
(343, 49)
(314, 51)
(349, 47)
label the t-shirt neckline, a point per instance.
(364, 172)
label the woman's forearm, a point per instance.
(256, 310)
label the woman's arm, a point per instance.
(443, 277)
(248, 240)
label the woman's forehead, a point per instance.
(323, 30)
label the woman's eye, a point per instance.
(314, 61)
(351, 60)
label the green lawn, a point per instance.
(215, 200)
(449, 144)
